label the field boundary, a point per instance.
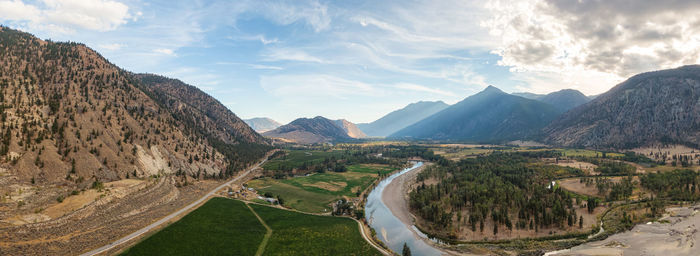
(266, 238)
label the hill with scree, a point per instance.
(70, 115)
(653, 107)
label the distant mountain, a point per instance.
(262, 124)
(310, 130)
(350, 128)
(563, 100)
(660, 106)
(402, 118)
(529, 95)
(488, 116)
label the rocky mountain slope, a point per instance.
(69, 115)
(262, 124)
(661, 106)
(402, 118)
(488, 116)
(350, 128)
(310, 130)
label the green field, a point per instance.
(228, 227)
(220, 227)
(302, 234)
(296, 158)
(313, 193)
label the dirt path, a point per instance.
(172, 216)
(268, 234)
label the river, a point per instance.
(390, 229)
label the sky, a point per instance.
(360, 60)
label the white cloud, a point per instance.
(314, 13)
(421, 88)
(110, 47)
(64, 16)
(164, 51)
(315, 86)
(594, 42)
(290, 54)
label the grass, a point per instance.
(296, 233)
(230, 227)
(296, 158)
(313, 193)
(219, 227)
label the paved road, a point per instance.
(172, 215)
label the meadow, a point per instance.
(228, 227)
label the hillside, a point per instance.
(488, 116)
(402, 118)
(70, 115)
(660, 106)
(350, 128)
(563, 100)
(310, 130)
(262, 124)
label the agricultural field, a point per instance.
(296, 233)
(220, 226)
(314, 193)
(229, 227)
(297, 158)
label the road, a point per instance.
(172, 215)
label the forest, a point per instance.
(512, 189)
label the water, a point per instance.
(389, 228)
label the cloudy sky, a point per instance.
(362, 59)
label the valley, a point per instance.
(360, 128)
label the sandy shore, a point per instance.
(395, 196)
(677, 237)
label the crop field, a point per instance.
(313, 193)
(296, 233)
(296, 158)
(219, 227)
(228, 227)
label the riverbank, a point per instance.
(395, 195)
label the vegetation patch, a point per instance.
(296, 233)
(219, 227)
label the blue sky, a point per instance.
(362, 59)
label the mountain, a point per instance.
(661, 106)
(563, 100)
(71, 117)
(310, 130)
(402, 118)
(262, 124)
(350, 128)
(488, 116)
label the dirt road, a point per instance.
(194, 204)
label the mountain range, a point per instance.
(654, 107)
(488, 116)
(262, 124)
(316, 130)
(69, 115)
(402, 118)
(563, 100)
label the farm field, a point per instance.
(296, 233)
(313, 193)
(228, 227)
(296, 158)
(219, 227)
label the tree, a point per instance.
(406, 250)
